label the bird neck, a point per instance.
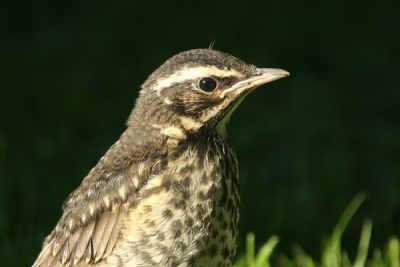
(159, 132)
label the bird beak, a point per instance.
(265, 75)
(261, 76)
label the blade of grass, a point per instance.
(331, 256)
(302, 258)
(250, 250)
(284, 261)
(262, 258)
(377, 259)
(393, 252)
(364, 244)
(344, 260)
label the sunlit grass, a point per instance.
(332, 254)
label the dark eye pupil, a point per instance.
(207, 84)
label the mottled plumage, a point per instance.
(167, 192)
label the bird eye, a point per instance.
(207, 84)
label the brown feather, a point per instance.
(65, 253)
(112, 216)
(115, 232)
(89, 254)
(83, 243)
(97, 237)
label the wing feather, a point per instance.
(114, 234)
(83, 243)
(89, 228)
(106, 235)
(89, 251)
(86, 244)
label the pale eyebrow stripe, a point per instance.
(190, 73)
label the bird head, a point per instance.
(198, 89)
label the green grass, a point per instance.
(332, 253)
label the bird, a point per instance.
(166, 193)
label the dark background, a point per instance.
(307, 144)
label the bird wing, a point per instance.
(89, 227)
(86, 245)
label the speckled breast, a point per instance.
(222, 231)
(188, 214)
(225, 214)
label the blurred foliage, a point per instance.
(332, 255)
(70, 72)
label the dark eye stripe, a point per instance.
(227, 81)
(223, 82)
